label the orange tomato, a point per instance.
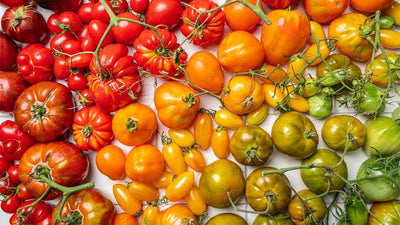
(176, 107)
(225, 118)
(110, 161)
(195, 202)
(149, 215)
(324, 11)
(142, 191)
(274, 74)
(240, 17)
(195, 160)
(274, 96)
(295, 69)
(144, 163)
(240, 51)
(316, 31)
(296, 102)
(125, 200)
(311, 53)
(390, 38)
(370, 6)
(173, 156)
(285, 36)
(203, 128)
(163, 182)
(176, 215)
(242, 95)
(124, 219)
(220, 142)
(203, 69)
(182, 137)
(180, 186)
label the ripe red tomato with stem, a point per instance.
(77, 81)
(64, 22)
(23, 193)
(40, 213)
(126, 32)
(85, 12)
(11, 204)
(85, 98)
(13, 174)
(139, 6)
(117, 6)
(58, 39)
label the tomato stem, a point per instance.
(131, 125)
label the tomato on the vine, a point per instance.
(164, 12)
(240, 17)
(139, 6)
(41, 213)
(126, 32)
(11, 204)
(64, 22)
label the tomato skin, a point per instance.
(248, 19)
(173, 156)
(11, 204)
(85, 12)
(11, 86)
(180, 186)
(348, 30)
(142, 191)
(195, 160)
(177, 214)
(11, 3)
(183, 137)
(370, 6)
(58, 104)
(285, 36)
(227, 119)
(296, 68)
(172, 111)
(219, 177)
(274, 96)
(58, 39)
(227, 218)
(326, 10)
(278, 219)
(149, 215)
(126, 32)
(261, 189)
(380, 70)
(4, 165)
(134, 124)
(320, 105)
(60, 5)
(23, 193)
(311, 53)
(163, 182)
(296, 208)
(240, 51)
(166, 12)
(280, 4)
(110, 161)
(144, 163)
(195, 202)
(139, 6)
(29, 28)
(204, 70)
(124, 219)
(390, 38)
(9, 52)
(203, 129)
(213, 29)
(41, 213)
(220, 142)
(384, 212)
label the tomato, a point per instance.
(142, 191)
(203, 69)
(294, 134)
(10, 204)
(285, 36)
(324, 48)
(4, 165)
(299, 215)
(117, 6)
(124, 219)
(163, 182)
(371, 6)
(11, 86)
(275, 97)
(176, 215)
(9, 52)
(77, 81)
(11, 3)
(343, 70)
(326, 10)
(85, 12)
(217, 179)
(251, 145)
(164, 12)
(139, 6)
(180, 186)
(393, 11)
(39, 214)
(195, 202)
(54, 160)
(267, 192)
(118, 84)
(13, 174)
(64, 22)
(23, 193)
(183, 137)
(89, 207)
(311, 87)
(159, 60)
(24, 24)
(144, 163)
(173, 156)
(351, 31)
(60, 5)
(6, 187)
(343, 132)
(227, 119)
(258, 116)
(126, 32)
(44, 110)
(382, 136)
(320, 105)
(110, 161)
(274, 74)
(240, 51)
(378, 189)
(203, 129)
(356, 210)
(296, 102)
(220, 142)
(35, 63)
(248, 19)
(380, 71)
(175, 104)
(207, 28)
(134, 124)
(227, 218)
(242, 95)
(280, 4)
(384, 212)
(58, 39)
(96, 29)
(317, 32)
(195, 160)
(149, 215)
(60, 68)
(278, 219)
(125, 200)
(85, 98)
(390, 38)
(369, 100)
(296, 68)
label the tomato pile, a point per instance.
(73, 83)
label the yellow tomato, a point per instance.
(142, 191)
(274, 96)
(316, 31)
(195, 160)
(258, 116)
(274, 74)
(220, 142)
(173, 156)
(393, 11)
(295, 69)
(163, 182)
(149, 215)
(182, 137)
(311, 53)
(203, 128)
(390, 38)
(195, 202)
(228, 119)
(180, 187)
(125, 200)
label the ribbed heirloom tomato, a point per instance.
(176, 214)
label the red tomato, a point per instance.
(11, 86)
(96, 31)
(85, 12)
(60, 5)
(85, 98)
(58, 39)
(11, 204)
(166, 12)
(117, 6)
(40, 214)
(370, 6)
(24, 24)
(60, 68)
(126, 32)
(13, 174)
(23, 193)
(280, 4)
(4, 165)
(139, 6)
(65, 22)
(6, 187)
(8, 53)
(11, 3)
(77, 81)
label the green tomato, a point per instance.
(370, 101)
(311, 87)
(258, 116)
(320, 105)
(396, 115)
(227, 219)
(387, 22)
(279, 219)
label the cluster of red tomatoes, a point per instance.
(90, 50)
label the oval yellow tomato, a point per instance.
(220, 142)
(173, 156)
(390, 38)
(180, 187)
(182, 137)
(225, 118)
(195, 160)
(125, 200)
(163, 181)
(142, 191)
(149, 215)
(274, 74)
(203, 128)
(195, 202)
(258, 116)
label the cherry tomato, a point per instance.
(180, 186)
(110, 161)
(163, 181)
(64, 22)
(324, 11)
(4, 165)
(258, 116)
(390, 38)
(139, 6)
(370, 6)
(13, 174)
(195, 160)
(11, 204)
(125, 200)
(296, 68)
(166, 12)
(220, 142)
(173, 156)
(6, 187)
(58, 39)
(149, 215)
(126, 32)
(227, 119)
(85, 98)
(393, 11)
(85, 12)
(195, 202)
(182, 137)
(77, 81)
(299, 215)
(142, 191)
(23, 193)
(274, 74)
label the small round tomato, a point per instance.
(134, 124)
(10, 204)
(343, 133)
(242, 95)
(317, 32)
(110, 161)
(320, 105)
(173, 156)
(126, 32)
(13, 174)
(183, 137)
(384, 213)
(380, 69)
(195, 202)
(6, 187)
(65, 22)
(324, 11)
(180, 186)
(311, 87)
(125, 200)
(124, 219)
(240, 51)
(195, 160)
(203, 129)
(227, 119)
(144, 163)
(300, 215)
(296, 68)
(23, 193)
(318, 180)
(267, 192)
(240, 17)
(77, 81)
(393, 11)
(278, 219)
(85, 98)
(139, 6)
(227, 218)
(370, 6)
(219, 178)
(294, 134)
(177, 214)
(258, 116)
(142, 191)
(324, 48)
(85, 12)
(220, 142)
(164, 12)
(4, 165)
(275, 97)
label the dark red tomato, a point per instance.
(58, 39)
(85, 98)
(85, 12)
(40, 214)
(24, 24)
(280, 4)
(11, 86)
(64, 22)
(166, 12)
(126, 32)
(117, 6)
(139, 6)
(7, 187)
(60, 5)
(13, 174)
(8, 53)
(35, 63)
(4, 165)
(23, 193)
(77, 81)
(11, 3)
(11, 204)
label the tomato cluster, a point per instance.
(73, 82)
